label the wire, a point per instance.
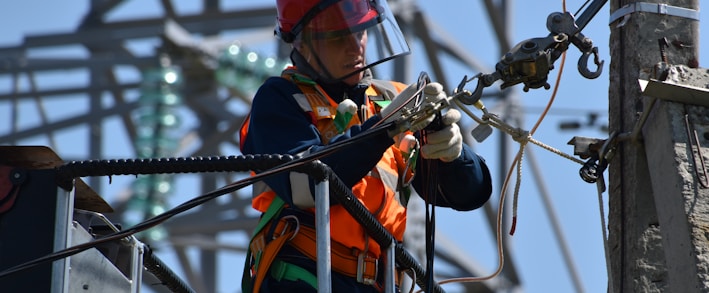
(517, 162)
(297, 162)
(430, 168)
(520, 153)
(580, 8)
(599, 188)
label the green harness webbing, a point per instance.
(279, 269)
(283, 270)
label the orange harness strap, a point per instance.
(346, 261)
(267, 255)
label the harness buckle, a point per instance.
(362, 267)
(286, 226)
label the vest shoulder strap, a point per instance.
(386, 89)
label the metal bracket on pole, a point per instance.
(680, 93)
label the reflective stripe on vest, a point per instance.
(262, 194)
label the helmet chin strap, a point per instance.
(304, 66)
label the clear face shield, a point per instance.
(344, 38)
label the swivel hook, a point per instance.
(465, 96)
(484, 80)
(583, 64)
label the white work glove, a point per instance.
(432, 92)
(447, 143)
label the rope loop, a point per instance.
(521, 136)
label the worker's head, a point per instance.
(331, 36)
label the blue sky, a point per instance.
(536, 251)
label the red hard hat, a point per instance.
(322, 16)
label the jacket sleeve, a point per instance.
(464, 184)
(279, 126)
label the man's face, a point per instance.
(339, 55)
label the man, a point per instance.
(296, 114)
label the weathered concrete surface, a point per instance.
(648, 192)
(682, 202)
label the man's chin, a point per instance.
(353, 79)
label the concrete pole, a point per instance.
(658, 210)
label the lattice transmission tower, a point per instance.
(178, 84)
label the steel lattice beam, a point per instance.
(106, 42)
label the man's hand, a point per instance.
(432, 92)
(447, 143)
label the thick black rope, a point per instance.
(375, 229)
(161, 271)
(66, 173)
(309, 165)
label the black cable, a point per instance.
(66, 173)
(587, 15)
(619, 168)
(125, 233)
(581, 8)
(430, 170)
(430, 205)
(272, 164)
(375, 229)
(155, 266)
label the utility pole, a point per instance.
(659, 210)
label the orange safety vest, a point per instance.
(377, 190)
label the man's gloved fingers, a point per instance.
(445, 144)
(451, 116)
(442, 136)
(447, 152)
(446, 155)
(433, 88)
(434, 92)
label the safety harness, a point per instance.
(275, 229)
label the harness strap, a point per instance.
(246, 285)
(346, 261)
(283, 270)
(268, 254)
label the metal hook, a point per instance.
(484, 80)
(286, 226)
(463, 96)
(583, 64)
